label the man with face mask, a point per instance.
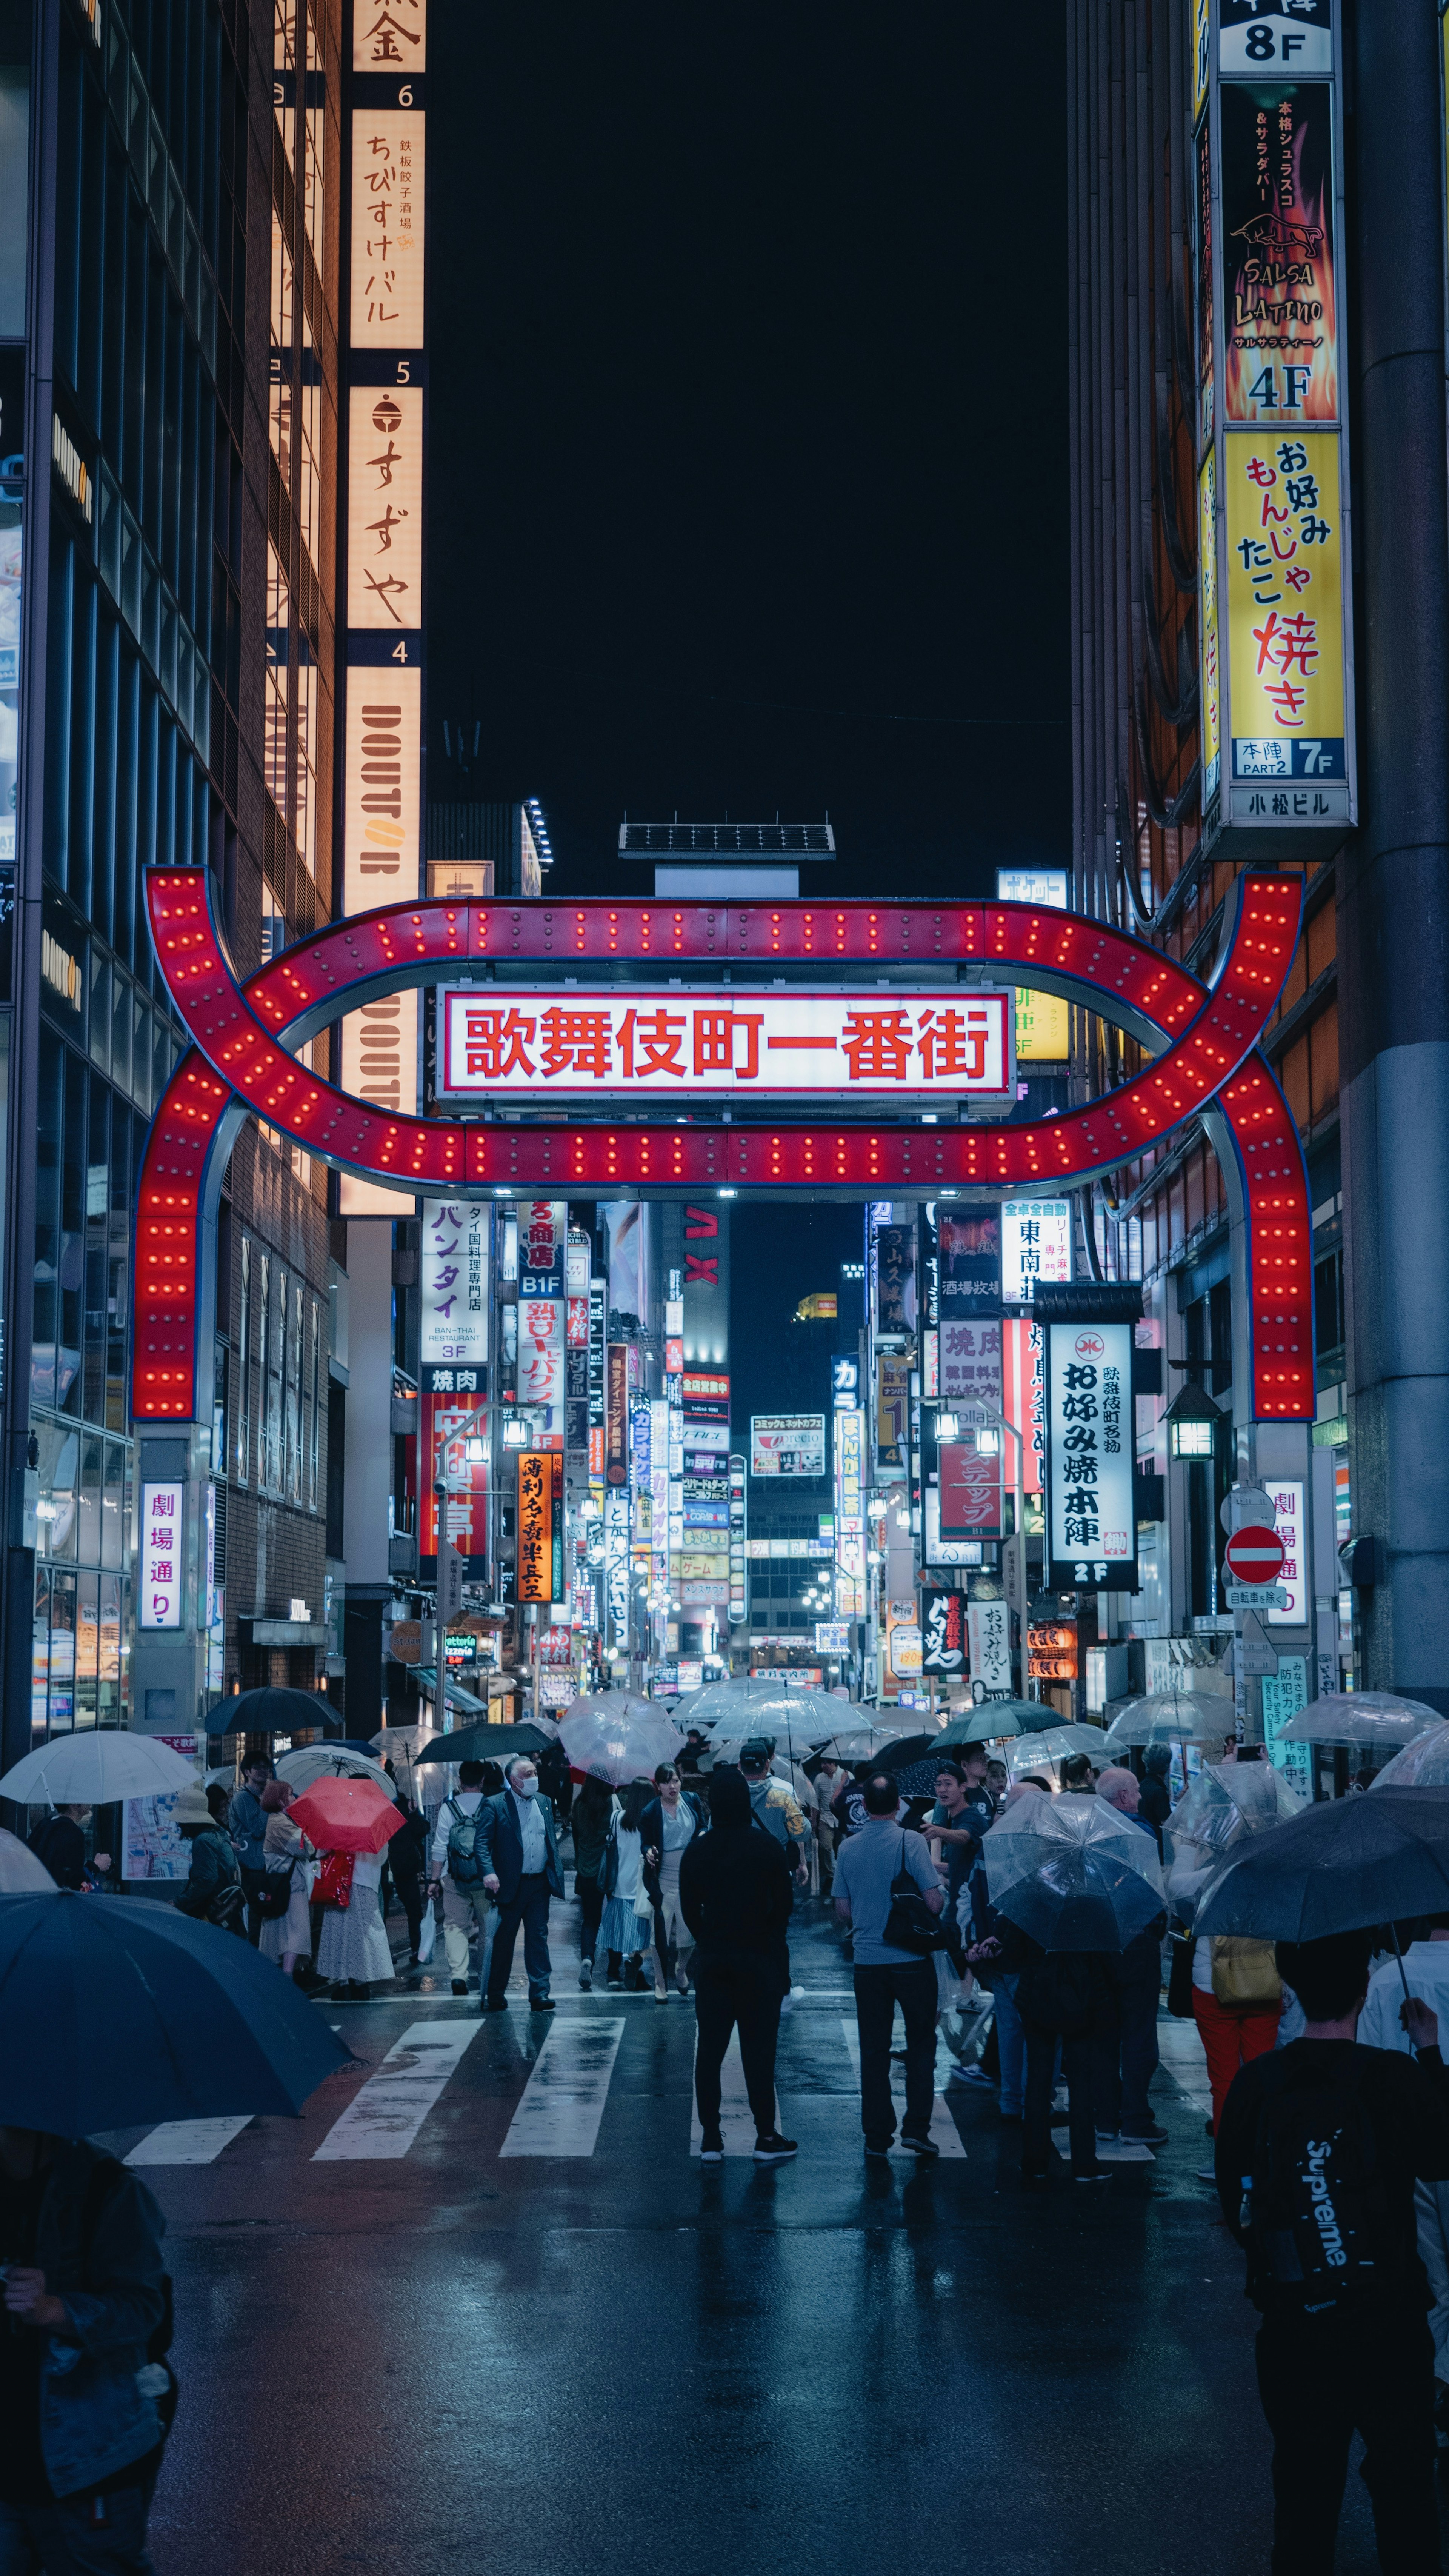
(515, 1838)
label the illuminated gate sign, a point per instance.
(1202, 1061)
(642, 1040)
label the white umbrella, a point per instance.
(613, 1736)
(328, 1762)
(1229, 1799)
(1378, 1721)
(96, 1767)
(1051, 1746)
(745, 1708)
(1074, 1873)
(20, 1872)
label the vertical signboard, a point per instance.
(162, 1562)
(453, 1294)
(848, 1438)
(1024, 1396)
(1275, 621)
(382, 691)
(969, 1498)
(1036, 1243)
(988, 1628)
(970, 1371)
(943, 1630)
(540, 1525)
(1090, 1513)
(616, 1420)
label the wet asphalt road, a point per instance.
(468, 2353)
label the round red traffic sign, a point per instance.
(1254, 1554)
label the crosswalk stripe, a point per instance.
(384, 2118)
(736, 2120)
(943, 2128)
(563, 2101)
(188, 2142)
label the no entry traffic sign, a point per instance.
(1254, 1555)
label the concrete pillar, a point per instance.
(1393, 908)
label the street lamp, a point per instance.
(1192, 1421)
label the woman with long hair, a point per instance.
(626, 1925)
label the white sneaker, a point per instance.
(1117, 2150)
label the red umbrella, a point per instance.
(346, 1815)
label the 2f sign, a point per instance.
(162, 1560)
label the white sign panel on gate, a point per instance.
(1036, 1243)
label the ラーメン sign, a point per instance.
(1091, 1515)
(774, 1043)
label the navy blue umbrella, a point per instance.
(117, 2009)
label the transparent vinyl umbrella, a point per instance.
(329, 1762)
(1229, 1799)
(1073, 1873)
(1171, 1717)
(1053, 1745)
(1377, 1721)
(1423, 1764)
(92, 1768)
(615, 1737)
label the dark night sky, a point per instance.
(777, 1256)
(748, 425)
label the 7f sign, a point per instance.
(1092, 1527)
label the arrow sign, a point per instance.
(1254, 1554)
(1252, 1654)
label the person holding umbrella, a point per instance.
(86, 2303)
(521, 1872)
(351, 1822)
(248, 1827)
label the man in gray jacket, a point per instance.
(84, 2404)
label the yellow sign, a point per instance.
(1043, 1027)
(1201, 56)
(1284, 605)
(819, 1309)
(1207, 555)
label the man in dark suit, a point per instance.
(515, 1835)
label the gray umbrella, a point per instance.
(1073, 1873)
(1337, 1868)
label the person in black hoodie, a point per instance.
(1318, 2150)
(735, 1894)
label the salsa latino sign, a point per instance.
(1091, 1517)
(957, 1042)
(540, 1524)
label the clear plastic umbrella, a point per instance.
(20, 1872)
(1378, 1721)
(96, 1767)
(1424, 1764)
(1171, 1717)
(803, 1718)
(329, 1762)
(1053, 1745)
(1230, 1799)
(612, 1736)
(1073, 1873)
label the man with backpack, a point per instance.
(867, 1872)
(458, 1868)
(86, 2392)
(1318, 2150)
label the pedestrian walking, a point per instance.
(735, 1895)
(1426, 1972)
(1319, 2147)
(467, 1906)
(86, 2394)
(1064, 1999)
(1237, 1996)
(287, 1936)
(1154, 1795)
(1127, 2050)
(520, 1850)
(886, 1973)
(353, 1953)
(556, 1782)
(667, 1826)
(213, 1890)
(591, 1816)
(408, 1859)
(247, 1826)
(775, 1806)
(829, 1781)
(696, 1746)
(626, 1922)
(984, 1957)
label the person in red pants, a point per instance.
(1236, 2001)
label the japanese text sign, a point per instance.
(1280, 329)
(943, 1630)
(1284, 590)
(970, 1493)
(162, 1574)
(951, 1043)
(988, 1632)
(390, 36)
(453, 1283)
(787, 1444)
(1036, 1243)
(970, 1370)
(1091, 1519)
(540, 1524)
(385, 508)
(387, 231)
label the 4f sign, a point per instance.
(162, 1560)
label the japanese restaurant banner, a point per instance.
(1091, 1505)
(1280, 332)
(1285, 619)
(540, 1524)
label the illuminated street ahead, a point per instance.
(480, 2349)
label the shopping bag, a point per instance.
(427, 1935)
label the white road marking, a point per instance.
(188, 2142)
(736, 2119)
(385, 2117)
(563, 2101)
(943, 2128)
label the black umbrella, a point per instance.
(902, 1752)
(1336, 1868)
(271, 1711)
(117, 2009)
(481, 1743)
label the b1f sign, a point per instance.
(162, 1561)
(1091, 1508)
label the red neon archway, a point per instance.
(239, 1065)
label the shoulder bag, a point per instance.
(910, 1924)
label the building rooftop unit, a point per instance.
(726, 862)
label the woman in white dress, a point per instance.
(353, 1950)
(287, 1937)
(626, 1926)
(668, 1825)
